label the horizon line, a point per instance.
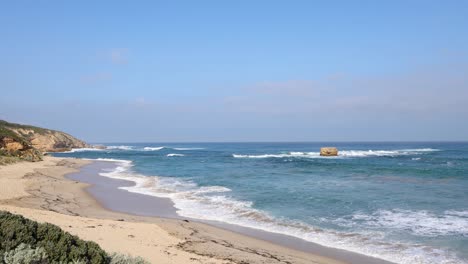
(324, 141)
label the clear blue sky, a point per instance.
(136, 71)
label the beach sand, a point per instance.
(40, 191)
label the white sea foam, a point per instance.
(125, 147)
(175, 155)
(163, 147)
(153, 148)
(215, 203)
(343, 153)
(421, 223)
(82, 150)
(457, 213)
(121, 147)
(113, 160)
(421, 150)
(284, 155)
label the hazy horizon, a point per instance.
(239, 71)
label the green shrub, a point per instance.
(126, 259)
(59, 246)
(24, 254)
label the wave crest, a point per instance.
(164, 147)
(121, 147)
(73, 150)
(423, 223)
(343, 153)
(175, 155)
(153, 148)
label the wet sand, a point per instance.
(107, 193)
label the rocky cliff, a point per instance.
(29, 142)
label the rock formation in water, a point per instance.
(329, 151)
(29, 142)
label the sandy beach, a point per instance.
(40, 191)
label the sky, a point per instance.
(203, 71)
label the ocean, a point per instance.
(402, 202)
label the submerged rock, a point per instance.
(328, 151)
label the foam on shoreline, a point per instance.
(215, 203)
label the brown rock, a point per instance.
(10, 145)
(328, 151)
(55, 141)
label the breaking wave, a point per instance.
(343, 153)
(163, 147)
(82, 150)
(131, 148)
(152, 148)
(175, 155)
(216, 203)
(422, 223)
(122, 147)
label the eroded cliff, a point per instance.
(29, 142)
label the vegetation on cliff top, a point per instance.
(6, 130)
(39, 130)
(26, 241)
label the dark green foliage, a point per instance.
(15, 230)
(59, 246)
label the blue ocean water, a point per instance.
(403, 202)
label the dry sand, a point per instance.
(40, 191)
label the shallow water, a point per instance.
(403, 202)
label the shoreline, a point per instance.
(105, 190)
(214, 242)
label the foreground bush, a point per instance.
(58, 246)
(23, 241)
(24, 254)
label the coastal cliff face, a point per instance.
(54, 141)
(29, 142)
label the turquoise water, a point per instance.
(403, 202)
